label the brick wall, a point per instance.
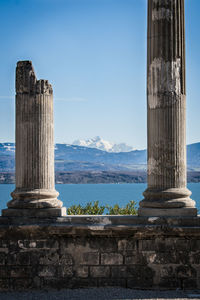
(138, 253)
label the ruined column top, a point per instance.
(26, 80)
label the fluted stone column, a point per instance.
(35, 193)
(166, 194)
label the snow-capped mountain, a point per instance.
(99, 143)
(84, 158)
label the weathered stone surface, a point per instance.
(35, 193)
(166, 194)
(100, 271)
(65, 271)
(156, 212)
(62, 253)
(37, 212)
(82, 271)
(111, 259)
(110, 282)
(119, 272)
(88, 258)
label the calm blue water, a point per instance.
(105, 193)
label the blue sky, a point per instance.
(94, 54)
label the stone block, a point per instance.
(18, 258)
(51, 244)
(182, 257)
(4, 250)
(50, 258)
(104, 244)
(165, 245)
(164, 258)
(136, 258)
(184, 271)
(81, 271)
(119, 272)
(23, 258)
(4, 284)
(167, 271)
(127, 244)
(146, 245)
(100, 271)
(72, 283)
(111, 259)
(178, 244)
(170, 283)
(11, 259)
(80, 244)
(140, 272)
(34, 212)
(189, 284)
(36, 255)
(47, 244)
(194, 244)
(139, 283)
(140, 277)
(197, 268)
(88, 259)
(46, 271)
(2, 258)
(4, 243)
(21, 272)
(195, 257)
(4, 272)
(83, 282)
(19, 284)
(37, 282)
(167, 212)
(65, 271)
(112, 282)
(65, 259)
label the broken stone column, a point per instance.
(35, 193)
(166, 194)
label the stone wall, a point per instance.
(75, 252)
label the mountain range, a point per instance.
(82, 158)
(99, 143)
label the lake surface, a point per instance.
(105, 193)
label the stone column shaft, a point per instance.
(166, 194)
(35, 192)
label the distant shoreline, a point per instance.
(95, 177)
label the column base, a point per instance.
(34, 212)
(175, 202)
(34, 199)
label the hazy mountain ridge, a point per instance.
(80, 158)
(69, 153)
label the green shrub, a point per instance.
(88, 209)
(94, 209)
(129, 209)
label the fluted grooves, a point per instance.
(166, 93)
(35, 187)
(166, 106)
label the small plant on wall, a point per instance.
(96, 209)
